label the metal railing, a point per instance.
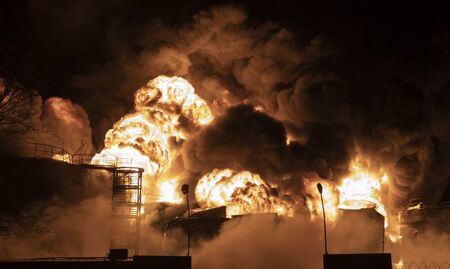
(45, 151)
(127, 185)
(106, 161)
(423, 265)
(35, 150)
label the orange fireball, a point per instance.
(242, 192)
(141, 138)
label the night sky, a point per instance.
(64, 39)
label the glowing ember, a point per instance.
(141, 139)
(289, 139)
(242, 192)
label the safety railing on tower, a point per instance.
(127, 185)
(46, 151)
(126, 209)
(34, 150)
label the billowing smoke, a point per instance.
(286, 106)
(50, 208)
(65, 124)
(297, 243)
(267, 86)
(290, 244)
(56, 121)
(331, 110)
(242, 139)
(60, 229)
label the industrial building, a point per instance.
(419, 217)
(34, 172)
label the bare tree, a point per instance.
(23, 68)
(16, 113)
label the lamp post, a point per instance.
(319, 188)
(185, 191)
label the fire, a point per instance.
(399, 265)
(289, 139)
(166, 99)
(330, 199)
(63, 157)
(394, 232)
(362, 190)
(166, 107)
(395, 237)
(242, 192)
(168, 190)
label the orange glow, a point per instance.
(242, 192)
(330, 199)
(65, 157)
(362, 190)
(398, 265)
(289, 139)
(394, 238)
(394, 231)
(141, 138)
(168, 190)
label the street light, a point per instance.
(319, 187)
(185, 191)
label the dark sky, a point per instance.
(63, 39)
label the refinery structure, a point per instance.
(126, 183)
(224, 134)
(149, 192)
(126, 201)
(205, 224)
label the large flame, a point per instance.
(166, 107)
(362, 189)
(242, 192)
(330, 199)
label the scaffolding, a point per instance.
(126, 209)
(126, 199)
(126, 186)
